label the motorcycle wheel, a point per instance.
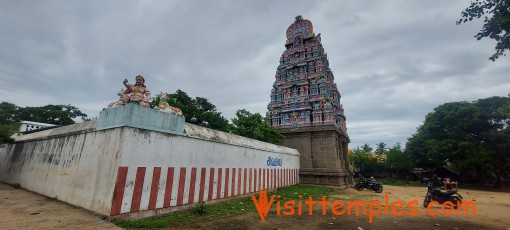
(426, 201)
(378, 188)
(358, 187)
(454, 200)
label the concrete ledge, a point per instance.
(74, 129)
(199, 132)
(135, 116)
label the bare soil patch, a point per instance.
(492, 210)
(21, 209)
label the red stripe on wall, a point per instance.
(279, 176)
(211, 183)
(287, 183)
(282, 178)
(275, 177)
(218, 191)
(233, 187)
(263, 178)
(226, 183)
(168, 187)
(255, 178)
(296, 176)
(182, 181)
(118, 193)
(202, 185)
(260, 179)
(239, 181)
(292, 176)
(289, 176)
(154, 188)
(250, 180)
(244, 180)
(270, 178)
(137, 192)
(192, 185)
(267, 179)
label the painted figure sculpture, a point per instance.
(163, 105)
(118, 102)
(137, 93)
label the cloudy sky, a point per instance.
(393, 61)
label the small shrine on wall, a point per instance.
(305, 104)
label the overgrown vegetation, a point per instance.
(11, 115)
(496, 25)
(200, 111)
(204, 212)
(470, 137)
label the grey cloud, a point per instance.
(394, 61)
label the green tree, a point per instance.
(472, 136)
(496, 22)
(398, 159)
(365, 161)
(52, 114)
(253, 125)
(366, 148)
(199, 110)
(9, 113)
(6, 131)
(381, 148)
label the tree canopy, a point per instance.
(11, 115)
(496, 22)
(201, 111)
(253, 125)
(52, 114)
(469, 136)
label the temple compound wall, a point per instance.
(122, 170)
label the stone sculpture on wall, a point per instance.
(137, 93)
(163, 105)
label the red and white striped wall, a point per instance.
(149, 188)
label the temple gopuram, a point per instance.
(305, 105)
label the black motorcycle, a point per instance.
(434, 193)
(368, 183)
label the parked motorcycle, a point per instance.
(434, 193)
(368, 183)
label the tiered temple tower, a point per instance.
(305, 104)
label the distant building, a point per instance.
(30, 125)
(305, 105)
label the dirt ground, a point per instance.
(492, 212)
(20, 209)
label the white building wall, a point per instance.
(124, 171)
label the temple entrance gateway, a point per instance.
(305, 105)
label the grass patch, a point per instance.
(396, 182)
(205, 212)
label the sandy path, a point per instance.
(20, 209)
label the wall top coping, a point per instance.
(190, 130)
(199, 132)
